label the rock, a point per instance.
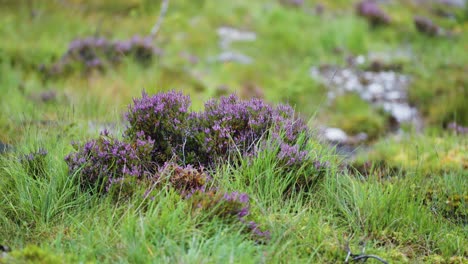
(335, 135)
(402, 112)
(376, 89)
(4, 248)
(4, 252)
(384, 89)
(393, 96)
(360, 60)
(231, 56)
(229, 35)
(456, 3)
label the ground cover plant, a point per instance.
(207, 142)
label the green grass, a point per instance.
(409, 206)
(390, 215)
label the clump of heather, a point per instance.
(426, 26)
(231, 126)
(139, 48)
(106, 161)
(98, 53)
(34, 163)
(370, 10)
(162, 129)
(458, 129)
(167, 145)
(164, 118)
(228, 128)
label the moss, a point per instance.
(441, 95)
(354, 115)
(426, 154)
(32, 254)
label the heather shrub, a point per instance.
(106, 161)
(230, 127)
(98, 53)
(164, 118)
(166, 142)
(426, 26)
(227, 129)
(139, 48)
(370, 10)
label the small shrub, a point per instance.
(230, 127)
(370, 10)
(98, 53)
(106, 160)
(226, 129)
(163, 133)
(426, 26)
(164, 118)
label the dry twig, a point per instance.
(360, 257)
(162, 14)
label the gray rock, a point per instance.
(401, 111)
(335, 135)
(228, 35)
(376, 89)
(457, 3)
(387, 89)
(234, 57)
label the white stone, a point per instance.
(376, 88)
(235, 57)
(366, 96)
(235, 34)
(346, 73)
(402, 112)
(338, 80)
(360, 60)
(335, 135)
(393, 96)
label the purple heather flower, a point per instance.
(426, 26)
(371, 10)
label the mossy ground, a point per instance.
(410, 209)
